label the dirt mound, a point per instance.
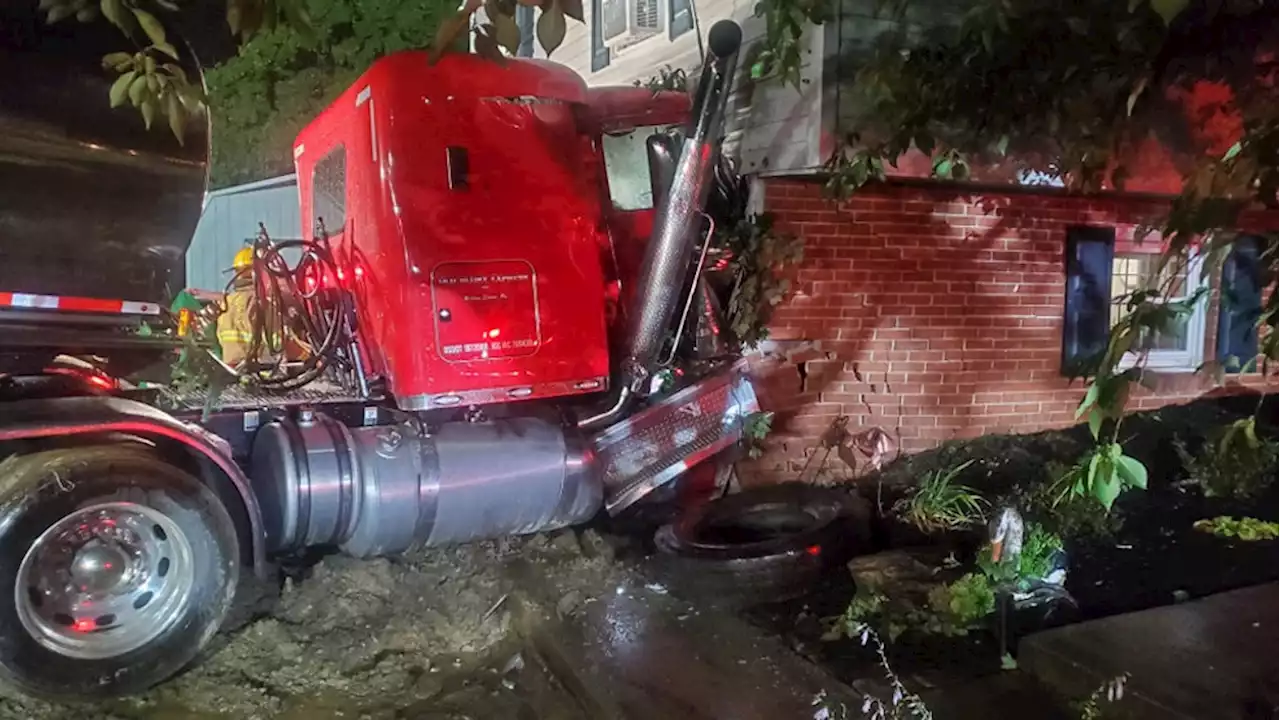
(365, 638)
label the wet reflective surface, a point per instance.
(91, 202)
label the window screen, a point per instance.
(1130, 273)
(614, 18)
(329, 190)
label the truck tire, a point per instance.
(117, 569)
(759, 546)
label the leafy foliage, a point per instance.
(756, 427)
(1245, 528)
(1082, 87)
(150, 79)
(760, 256)
(668, 78)
(283, 77)
(950, 609)
(1071, 516)
(902, 702)
(1034, 563)
(1234, 463)
(778, 55)
(939, 503)
(1102, 474)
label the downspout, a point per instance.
(675, 227)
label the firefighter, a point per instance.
(235, 324)
(242, 310)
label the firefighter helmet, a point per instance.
(243, 259)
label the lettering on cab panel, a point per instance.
(486, 310)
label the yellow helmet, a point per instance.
(243, 259)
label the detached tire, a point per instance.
(759, 546)
(117, 568)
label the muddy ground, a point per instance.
(429, 635)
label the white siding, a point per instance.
(773, 128)
(230, 218)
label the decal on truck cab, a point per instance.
(485, 310)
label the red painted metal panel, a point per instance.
(520, 208)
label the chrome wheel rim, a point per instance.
(105, 580)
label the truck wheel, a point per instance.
(117, 570)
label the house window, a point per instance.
(618, 24)
(329, 190)
(1180, 345)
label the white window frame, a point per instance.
(633, 35)
(1188, 360)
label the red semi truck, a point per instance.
(499, 263)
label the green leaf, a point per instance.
(486, 45)
(573, 9)
(1090, 397)
(1169, 9)
(505, 31)
(551, 27)
(1095, 423)
(138, 90)
(117, 14)
(167, 48)
(117, 61)
(120, 88)
(150, 25)
(60, 13)
(1132, 471)
(1106, 487)
(177, 118)
(149, 109)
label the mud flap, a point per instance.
(657, 444)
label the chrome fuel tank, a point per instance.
(91, 202)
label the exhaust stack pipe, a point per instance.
(675, 226)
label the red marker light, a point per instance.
(83, 625)
(493, 333)
(814, 550)
(100, 381)
(359, 271)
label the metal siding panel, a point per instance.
(231, 217)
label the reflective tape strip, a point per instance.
(77, 304)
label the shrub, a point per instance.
(1246, 528)
(1234, 463)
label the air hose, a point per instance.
(303, 303)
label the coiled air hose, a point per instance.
(304, 302)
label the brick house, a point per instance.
(943, 312)
(934, 310)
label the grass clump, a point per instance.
(939, 503)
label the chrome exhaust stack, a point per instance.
(676, 225)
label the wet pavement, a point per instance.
(640, 653)
(1213, 658)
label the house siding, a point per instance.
(937, 313)
(230, 219)
(770, 127)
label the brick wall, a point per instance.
(937, 313)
